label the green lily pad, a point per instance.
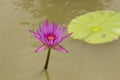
(96, 27)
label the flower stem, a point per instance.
(47, 59)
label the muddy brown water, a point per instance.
(18, 61)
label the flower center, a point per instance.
(96, 29)
(50, 37)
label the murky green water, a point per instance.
(18, 61)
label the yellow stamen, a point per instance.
(51, 37)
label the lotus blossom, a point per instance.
(51, 35)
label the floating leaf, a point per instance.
(96, 27)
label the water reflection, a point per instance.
(42, 75)
(62, 11)
(47, 75)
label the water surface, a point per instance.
(18, 61)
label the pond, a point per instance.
(18, 61)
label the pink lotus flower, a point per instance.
(51, 35)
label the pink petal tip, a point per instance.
(32, 32)
(60, 48)
(41, 48)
